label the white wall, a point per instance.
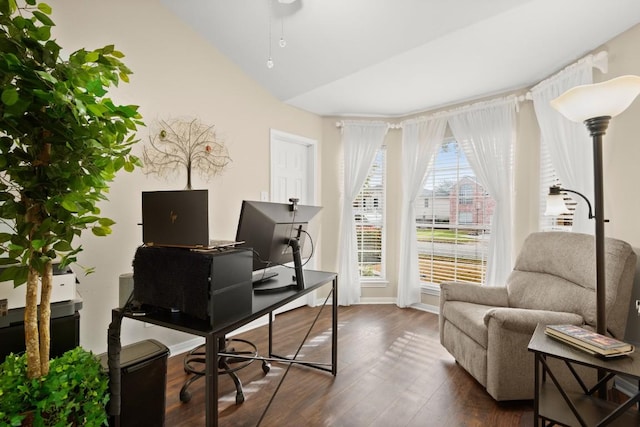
(176, 74)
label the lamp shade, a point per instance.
(608, 98)
(556, 205)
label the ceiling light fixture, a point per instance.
(270, 59)
(282, 42)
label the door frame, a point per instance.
(312, 161)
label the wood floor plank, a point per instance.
(392, 371)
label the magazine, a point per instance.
(590, 341)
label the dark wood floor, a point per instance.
(392, 372)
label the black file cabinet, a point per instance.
(65, 329)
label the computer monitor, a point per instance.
(277, 233)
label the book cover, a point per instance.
(590, 340)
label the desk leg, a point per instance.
(536, 399)
(211, 381)
(271, 334)
(334, 328)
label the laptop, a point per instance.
(175, 218)
(179, 219)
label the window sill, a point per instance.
(381, 283)
(430, 289)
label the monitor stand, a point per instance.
(298, 278)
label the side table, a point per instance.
(552, 404)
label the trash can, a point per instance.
(143, 371)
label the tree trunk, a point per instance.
(45, 318)
(188, 175)
(32, 342)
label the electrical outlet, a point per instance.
(4, 307)
(638, 306)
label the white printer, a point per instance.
(64, 289)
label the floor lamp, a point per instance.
(594, 105)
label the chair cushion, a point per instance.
(557, 271)
(542, 291)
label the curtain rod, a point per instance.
(599, 60)
(340, 124)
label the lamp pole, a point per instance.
(597, 127)
(595, 105)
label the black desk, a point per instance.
(552, 404)
(263, 303)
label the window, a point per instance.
(548, 178)
(465, 194)
(454, 225)
(368, 209)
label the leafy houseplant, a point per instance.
(73, 393)
(61, 142)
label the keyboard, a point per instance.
(262, 276)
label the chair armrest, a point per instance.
(525, 321)
(467, 292)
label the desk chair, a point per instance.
(195, 364)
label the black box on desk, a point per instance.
(212, 286)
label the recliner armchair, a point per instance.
(487, 328)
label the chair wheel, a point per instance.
(266, 367)
(185, 396)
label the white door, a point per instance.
(292, 168)
(293, 174)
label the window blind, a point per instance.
(548, 178)
(452, 220)
(369, 215)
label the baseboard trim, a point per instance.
(427, 307)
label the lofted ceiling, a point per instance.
(396, 57)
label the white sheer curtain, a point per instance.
(486, 133)
(568, 142)
(360, 142)
(420, 141)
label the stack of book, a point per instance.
(589, 341)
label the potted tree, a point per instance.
(62, 141)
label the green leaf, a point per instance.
(10, 96)
(38, 244)
(47, 76)
(101, 231)
(43, 33)
(92, 56)
(70, 205)
(96, 88)
(106, 222)
(96, 109)
(44, 8)
(18, 274)
(43, 18)
(63, 246)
